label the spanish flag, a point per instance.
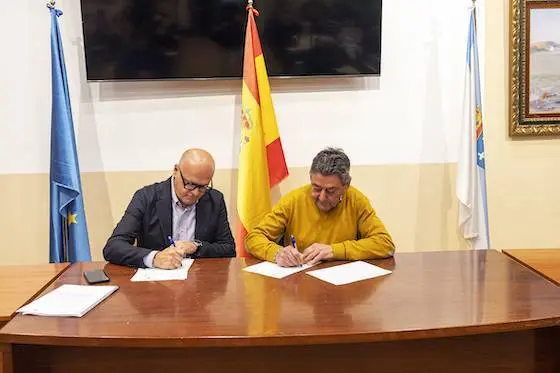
(261, 159)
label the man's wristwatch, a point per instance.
(197, 243)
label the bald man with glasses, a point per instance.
(181, 216)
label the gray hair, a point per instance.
(332, 161)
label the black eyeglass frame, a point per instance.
(190, 186)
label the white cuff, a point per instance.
(149, 259)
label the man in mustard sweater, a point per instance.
(328, 219)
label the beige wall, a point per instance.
(523, 177)
(417, 202)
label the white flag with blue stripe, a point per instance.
(471, 169)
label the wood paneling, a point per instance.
(6, 358)
(497, 353)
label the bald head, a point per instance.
(192, 175)
(197, 158)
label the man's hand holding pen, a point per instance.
(171, 257)
(289, 256)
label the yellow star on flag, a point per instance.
(72, 218)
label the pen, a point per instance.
(293, 240)
(171, 242)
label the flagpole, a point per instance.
(474, 12)
(65, 233)
(51, 5)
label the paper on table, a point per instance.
(68, 300)
(274, 270)
(348, 273)
(157, 274)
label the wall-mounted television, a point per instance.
(190, 39)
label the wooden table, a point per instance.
(19, 284)
(546, 262)
(465, 311)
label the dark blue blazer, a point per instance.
(148, 221)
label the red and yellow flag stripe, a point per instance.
(261, 159)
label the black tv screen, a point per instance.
(186, 39)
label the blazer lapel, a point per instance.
(201, 215)
(163, 209)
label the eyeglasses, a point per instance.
(190, 186)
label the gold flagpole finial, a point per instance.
(250, 3)
(51, 4)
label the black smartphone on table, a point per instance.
(96, 276)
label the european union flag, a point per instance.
(68, 228)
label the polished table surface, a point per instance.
(544, 261)
(19, 284)
(428, 295)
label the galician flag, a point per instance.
(471, 169)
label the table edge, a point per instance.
(510, 254)
(265, 341)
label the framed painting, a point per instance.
(535, 68)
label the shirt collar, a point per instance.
(175, 199)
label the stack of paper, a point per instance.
(348, 273)
(157, 274)
(274, 270)
(68, 300)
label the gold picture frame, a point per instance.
(535, 68)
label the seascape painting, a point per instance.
(534, 68)
(544, 62)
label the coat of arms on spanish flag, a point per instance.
(261, 158)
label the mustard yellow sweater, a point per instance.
(352, 228)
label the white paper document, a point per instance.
(157, 274)
(274, 270)
(348, 273)
(68, 300)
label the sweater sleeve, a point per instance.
(261, 240)
(374, 240)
